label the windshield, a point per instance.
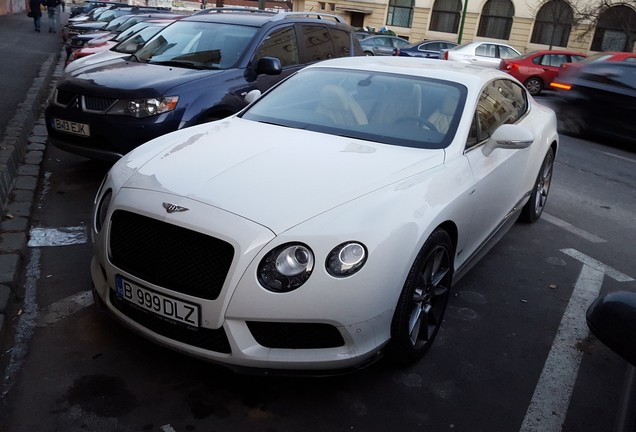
(199, 45)
(137, 40)
(387, 108)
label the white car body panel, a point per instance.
(239, 180)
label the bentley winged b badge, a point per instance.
(172, 208)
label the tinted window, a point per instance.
(500, 102)
(317, 43)
(280, 43)
(342, 42)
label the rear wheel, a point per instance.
(534, 86)
(422, 303)
(533, 209)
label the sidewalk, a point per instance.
(27, 74)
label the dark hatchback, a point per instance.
(600, 103)
(196, 70)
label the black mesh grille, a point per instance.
(166, 255)
(209, 339)
(295, 335)
(98, 104)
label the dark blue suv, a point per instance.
(196, 70)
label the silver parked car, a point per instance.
(382, 45)
(481, 53)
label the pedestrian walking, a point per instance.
(51, 9)
(35, 12)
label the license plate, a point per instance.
(71, 127)
(166, 307)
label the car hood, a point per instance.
(120, 78)
(272, 175)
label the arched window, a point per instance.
(553, 24)
(496, 19)
(446, 15)
(615, 30)
(400, 13)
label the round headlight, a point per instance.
(286, 267)
(346, 259)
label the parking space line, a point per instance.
(39, 237)
(571, 228)
(65, 307)
(619, 157)
(551, 398)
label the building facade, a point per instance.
(528, 25)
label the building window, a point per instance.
(496, 19)
(321, 5)
(400, 13)
(446, 15)
(615, 30)
(553, 24)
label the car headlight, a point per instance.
(144, 107)
(346, 259)
(286, 267)
(102, 209)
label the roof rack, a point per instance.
(276, 15)
(209, 11)
(315, 15)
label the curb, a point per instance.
(21, 154)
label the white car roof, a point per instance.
(469, 75)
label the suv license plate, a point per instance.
(164, 306)
(71, 127)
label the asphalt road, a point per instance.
(512, 354)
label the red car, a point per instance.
(568, 71)
(537, 69)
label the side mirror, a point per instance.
(269, 66)
(612, 319)
(508, 136)
(252, 96)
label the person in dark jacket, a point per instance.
(51, 9)
(36, 13)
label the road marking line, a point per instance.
(597, 265)
(39, 237)
(551, 398)
(65, 307)
(571, 228)
(620, 157)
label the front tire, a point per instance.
(533, 209)
(422, 303)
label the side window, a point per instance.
(501, 102)
(317, 43)
(342, 42)
(280, 43)
(506, 53)
(538, 60)
(486, 50)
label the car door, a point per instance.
(550, 64)
(501, 176)
(486, 55)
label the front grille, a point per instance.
(169, 256)
(295, 335)
(98, 104)
(209, 339)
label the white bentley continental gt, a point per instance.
(325, 224)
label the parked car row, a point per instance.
(195, 70)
